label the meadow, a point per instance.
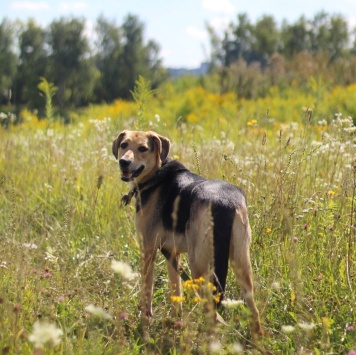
(62, 227)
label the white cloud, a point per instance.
(197, 33)
(29, 5)
(220, 6)
(220, 24)
(70, 6)
(168, 56)
(351, 20)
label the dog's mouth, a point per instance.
(127, 175)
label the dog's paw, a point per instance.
(125, 200)
(149, 312)
(257, 329)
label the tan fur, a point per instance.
(151, 160)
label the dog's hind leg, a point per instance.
(199, 234)
(222, 224)
(241, 264)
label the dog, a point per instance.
(178, 211)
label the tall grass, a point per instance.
(61, 226)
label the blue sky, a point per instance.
(178, 26)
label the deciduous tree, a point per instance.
(32, 64)
(8, 61)
(72, 69)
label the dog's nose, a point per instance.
(124, 163)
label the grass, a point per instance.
(61, 226)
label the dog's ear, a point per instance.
(162, 144)
(116, 143)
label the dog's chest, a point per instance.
(147, 212)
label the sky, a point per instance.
(179, 27)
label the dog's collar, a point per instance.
(156, 180)
(126, 199)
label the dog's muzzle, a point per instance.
(127, 174)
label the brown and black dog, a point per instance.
(178, 211)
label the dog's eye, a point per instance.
(123, 145)
(142, 149)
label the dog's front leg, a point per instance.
(149, 256)
(175, 284)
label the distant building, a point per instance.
(177, 72)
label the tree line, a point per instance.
(248, 58)
(257, 42)
(83, 71)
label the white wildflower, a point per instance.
(306, 326)
(229, 145)
(123, 269)
(350, 129)
(48, 187)
(228, 303)
(287, 329)
(104, 152)
(216, 142)
(322, 122)
(215, 347)
(50, 132)
(316, 144)
(276, 285)
(30, 245)
(325, 136)
(43, 333)
(237, 348)
(294, 126)
(98, 311)
(50, 255)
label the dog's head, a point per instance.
(140, 154)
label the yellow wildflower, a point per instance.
(190, 285)
(177, 299)
(217, 297)
(200, 280)
(199, 299)
(212, 287)
(252, 123)
(188, 282)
